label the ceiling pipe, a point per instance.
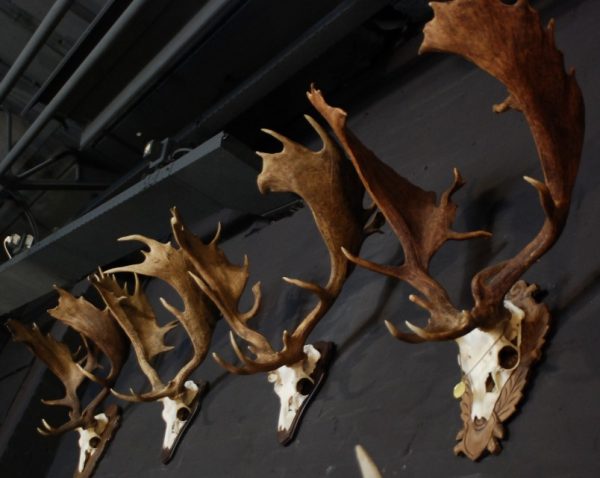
(107, 41)
(60, 185)
(186, 38)
(345, 17)
(34, 45)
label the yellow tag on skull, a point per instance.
(459, 389)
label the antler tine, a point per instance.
(133, 396)
(228, 306)
(48, 430)
(249, 366)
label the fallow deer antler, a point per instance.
(421, 223)
(326, 182)
(136, 317)
(517, 50)
(97, 329)
(59, 359)
(521, 54)
(180, 397)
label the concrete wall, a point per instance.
(394, 398)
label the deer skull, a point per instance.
(176, 413)
(90, 438)
(293, 384)
(487, 359)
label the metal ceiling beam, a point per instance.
(216, 175)
(186, 38)
(98, 26)
(107, 42)
(59, 185)
(34, 45)
(330, 29)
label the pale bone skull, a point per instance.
(90, 438)
(176, 412)
(288, 388)
(487, 358)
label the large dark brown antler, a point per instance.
(421, 223)
(98, 332)
(522, 54)
(508, 42)
(136, 317)
(326, 182)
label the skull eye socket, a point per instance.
(304, 386)
(508, 357)
(94, 442)
(183, 414)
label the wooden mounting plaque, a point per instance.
(478, 436)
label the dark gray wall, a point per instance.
(394, 398)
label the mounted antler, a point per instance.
(99, 334)
(522, 54)
(515, 50)
(326, 182)
(328, 185)
(421, 223)
(135, 316)
(180, 396)
(508, 42)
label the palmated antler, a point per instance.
(136, 317)
(508, 42)
(59, 360)
(421, 223)
(94, 324)
(98, 333)
(328, 185)
(515, 48)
